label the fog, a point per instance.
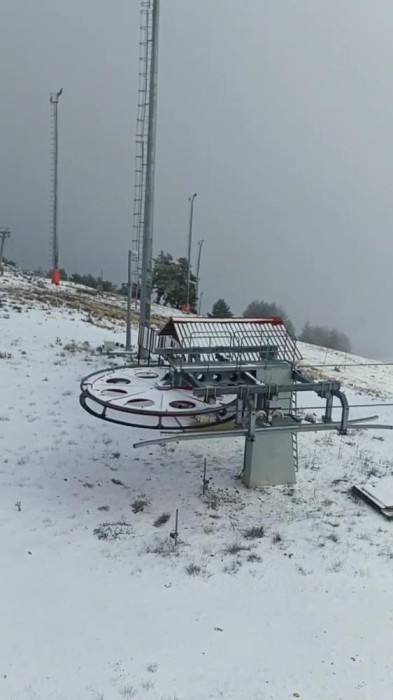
(278, 113)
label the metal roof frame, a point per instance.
(241, 339)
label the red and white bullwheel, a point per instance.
(143, 397)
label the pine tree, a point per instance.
(221, 309)
(170, 281)
(260, 309)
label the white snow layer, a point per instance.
(96, 603)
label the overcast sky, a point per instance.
(278, 113)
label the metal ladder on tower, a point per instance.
(145, 40)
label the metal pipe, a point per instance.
(365, 418)
(243, 390)
(200, 244)
(197, 435)
(191, 200)
(345, 409)
(147, 249)
(253, 379)
(129, 297)
(200, 303)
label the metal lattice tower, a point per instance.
(142, 120)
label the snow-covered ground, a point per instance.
(95, 601)
(27, 287)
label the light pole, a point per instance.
(200, 304)
(4, 233)
(191, 200)
(54, 100)
(132, 255)
(200, 244)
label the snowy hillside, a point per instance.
(272, 594)
(35, 291)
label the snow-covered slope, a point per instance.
(270, 594)
(29, 290)
(359, 373)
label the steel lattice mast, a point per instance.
(147, 247)
(141, 145)
(142, 236)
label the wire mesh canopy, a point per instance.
(245, 339)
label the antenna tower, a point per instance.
(142, 121)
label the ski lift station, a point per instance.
(204, 378)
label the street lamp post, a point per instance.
(191, 200)
(200, 304)
(200, 244)
(130, 283)
(54, 100)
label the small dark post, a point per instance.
(205, 482)
(175, 533)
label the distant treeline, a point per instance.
(325, 337)
(315, 335)
(169, 286)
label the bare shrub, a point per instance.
(128, 691)
(112, 531)
(139, 504)
(235, 548)
(255, 533)
(74, 347)
(303, 571)
(333, 537)
(254, 557)
(117, 482)
(211, 500)
(164, 547)
(232, 568)
(276, 538)
(288, 491)
(152, 668)
(336, 566)
(162, 519)
(219, 497)
(208, 529)
(148, 684)
(193, 569)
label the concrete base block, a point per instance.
(268, 460)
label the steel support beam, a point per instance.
(245, 390)
(242, 432)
